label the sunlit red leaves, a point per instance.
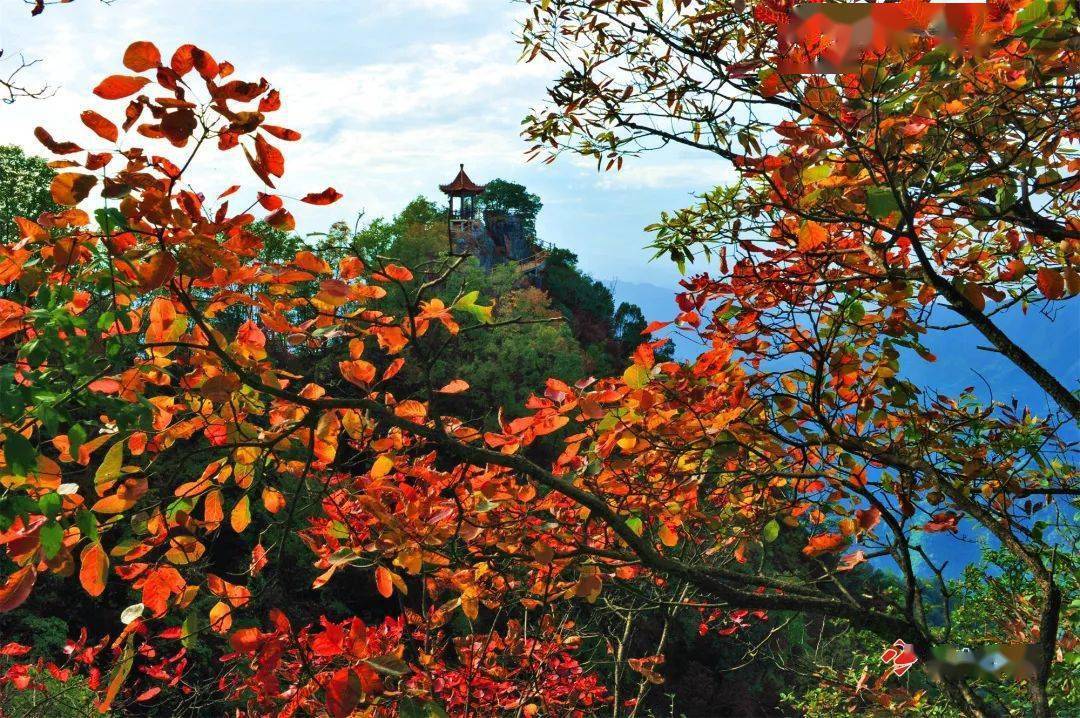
(188, 57)
(158, 587)
(811, 236)
(455, 387)
(142, 56)
(116, 87)
(273, 500)
(647, 667)
(93, 569)
(70, 188)
(282, 220)
(943, 521)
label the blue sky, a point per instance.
(390, 97)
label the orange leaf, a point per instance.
(17, 588)
(357, 372)
(142, 56)
(811, 236)
(824, 543)
(283, 220)
(273, 500)
(156, 270)
(94, 570)
(115, 87)
(70, 188)
(384, 582)
(455, 387)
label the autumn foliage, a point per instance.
(795, 419)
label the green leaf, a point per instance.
(51, 535)
(816, 173)
(50, 504)
(635, 525)
(77, 437)
(189, 630)
(87, 524)
(771, 531)
(389, 665)
(468, 304)
(20, 454)
(110, 220)
(880, 202)
(1032, 13)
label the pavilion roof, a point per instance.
(462, 185)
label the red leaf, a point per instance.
(257, 167)
(455, 387)
(58, 148)
(142, 56)
(270, 202)
(115, 87)
(282, 133)
(270, 157)
(1050, 282)
(188, 56)
(271, 102)
(327, 196)
(282, 220)
(343, 693)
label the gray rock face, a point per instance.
(497, 239)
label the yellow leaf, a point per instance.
(382, 466)
(636, 376)
(240, 516)
(110, 468)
